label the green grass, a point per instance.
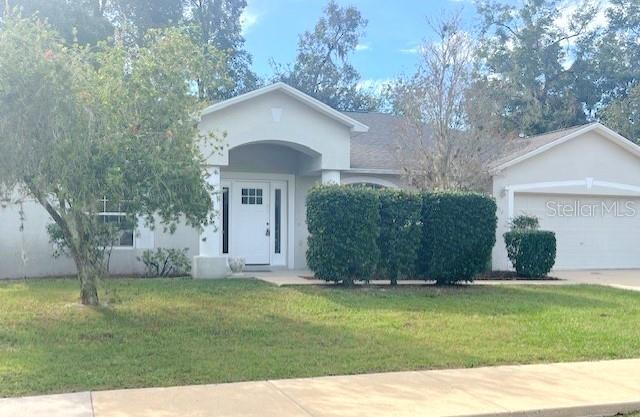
(171, 332)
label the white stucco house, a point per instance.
(280, 142)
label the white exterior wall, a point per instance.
(28, 253)
(262, 157)
(38, 260)
(588, 156)
(298, 126)
(303, 185)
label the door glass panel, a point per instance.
(251, 196)
(278, 219)
(225, 220)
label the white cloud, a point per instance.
(411, 50)
(570, 7)
(362, 47)
(248, 19)
(376, 85)
(564, 20)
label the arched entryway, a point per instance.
(258, 200)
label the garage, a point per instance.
(591, 232)
(582, 183)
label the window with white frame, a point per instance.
(114, 213)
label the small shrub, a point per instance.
(344, 226)
(525, 222)
(400, 227)
(458, 233)
(165, 262)
(532, 252)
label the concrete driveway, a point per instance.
(619, 278)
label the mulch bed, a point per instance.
(488, 276)
(509, 276)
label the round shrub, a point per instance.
(532, 252)
(344, 226)
(458, 233)
(400, 231)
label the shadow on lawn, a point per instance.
(136, 353)
(467, 299)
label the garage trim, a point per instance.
(588, 183)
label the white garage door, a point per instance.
(591, 232)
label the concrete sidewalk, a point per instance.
(558, 390)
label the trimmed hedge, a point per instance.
(458, 234)
(532, 252)
(400, 232)
(344, 226)
(356, 233)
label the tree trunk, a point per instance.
(78, 247)
(88, 284)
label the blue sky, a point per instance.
(389, 48)
(395, 29)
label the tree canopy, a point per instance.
(83, 21)
(448, 134)
(214, 25)
(551, 66)
(78, 125)
(322, 68)
(523, 55)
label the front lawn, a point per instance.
(173, 332)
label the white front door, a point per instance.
(250, 222)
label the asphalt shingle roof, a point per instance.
(377, 148)
(522, 146)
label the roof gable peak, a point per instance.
(354, 125)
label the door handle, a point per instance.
(268, 232)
